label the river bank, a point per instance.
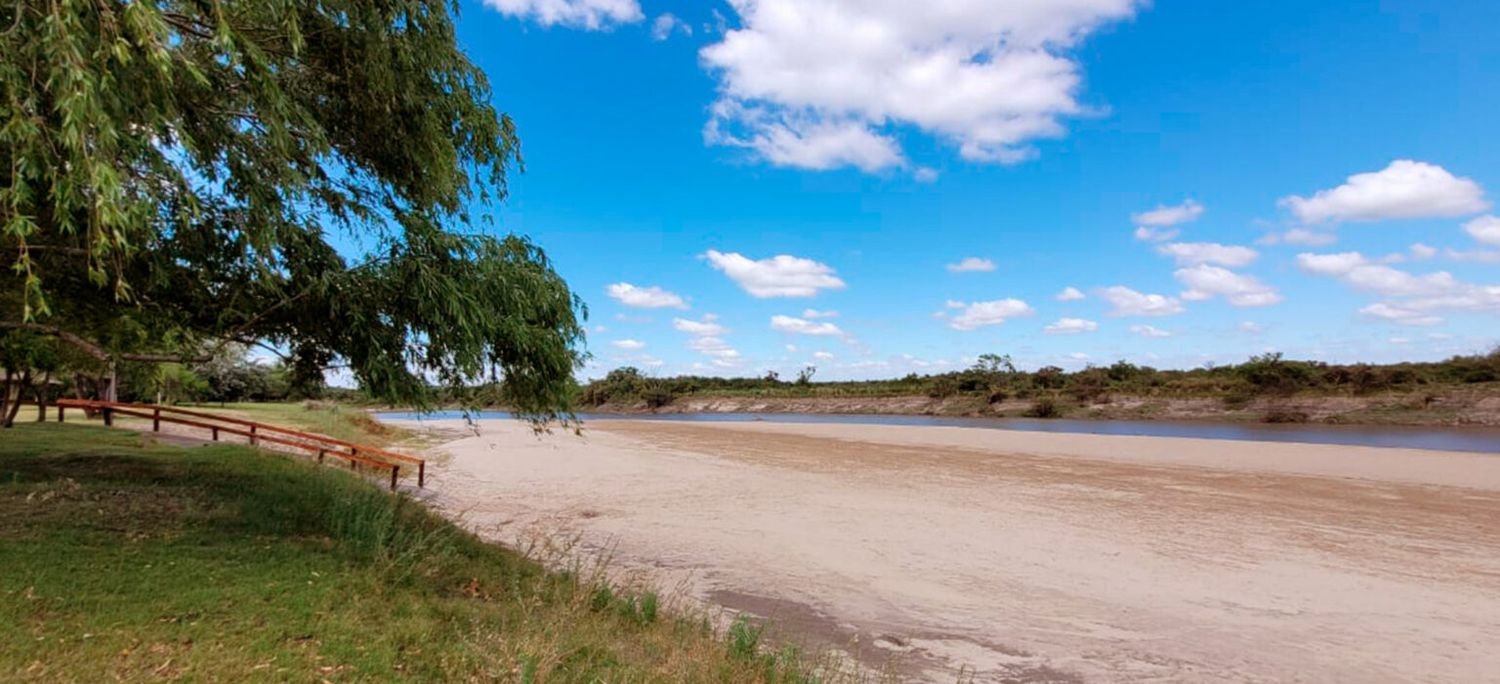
(1449, 406)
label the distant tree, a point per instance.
(173, 171)
(805, 376)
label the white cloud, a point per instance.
(1205, 282)
(1194, 253)
(1474, 256)
(1330, 264)
(644, 297)
(1070, 326)
(590, 15)
(818, 83)
(628, 345)
(1128, 302)
(981, 314)
(823, 356)
(1422, 252)
(925, 174)
(1397, 314)
(803, 143)
(666, 23)
(798, 326)
(1404, 190)
(714, 347)
(814, 313)
(1069, 294)
(1413, 298)
(1164, 216)
(1308, 238)
(706, 327)
(972, 265)
(1149, 331)
(1145, 234)
(779, 276)
(1485, 229)
(1250, 328)
(954, 304)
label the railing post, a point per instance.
(252, 435)
(156, 420)
(321, 453)
(109, 417)
(216, 433)
(394, 469)
(421, 474)
(59, 413)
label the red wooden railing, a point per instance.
(257, 433)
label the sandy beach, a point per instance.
(1028, 556)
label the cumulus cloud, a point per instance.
(819, 83)
(1164, 216)
(705, 327)
(1299, 236)
(799, 326)
(1149, 331)
(1194, 253)
(628, 345)
(1405, 189)
(981, 314)
(779, 276)
(814, 313)
(1206, 282)
(1485, 229)
(1422, 252)
(971, 265)
(1070, 326)
(1412, 299)
(1399, 315)
(1069, 294)
(1128, 302)
(590, 15)
(644, 297)
(1147, 234)
(665, 24)
(823, 356)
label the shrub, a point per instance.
(1046, 407)
(1284, 416)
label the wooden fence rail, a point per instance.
(257, 433)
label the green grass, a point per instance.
(125, 560)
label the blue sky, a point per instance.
(1328, 169)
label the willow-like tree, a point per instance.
(176, 174)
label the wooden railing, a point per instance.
(257, 433)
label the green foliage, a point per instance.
(172, 171)
(994, 378)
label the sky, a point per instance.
(880, 187)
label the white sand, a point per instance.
(1032, 556)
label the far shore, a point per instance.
(1457, 409)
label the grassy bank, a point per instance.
(124, 560)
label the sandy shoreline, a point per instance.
(1031, 556)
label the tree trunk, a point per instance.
(41, 397)
(5, 393)
(9, 418)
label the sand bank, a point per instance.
(1032, 556)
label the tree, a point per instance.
(27, 363)
(175, 173)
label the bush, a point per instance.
(1046, 407)
(1284, 416)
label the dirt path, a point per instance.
(1029, 556)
